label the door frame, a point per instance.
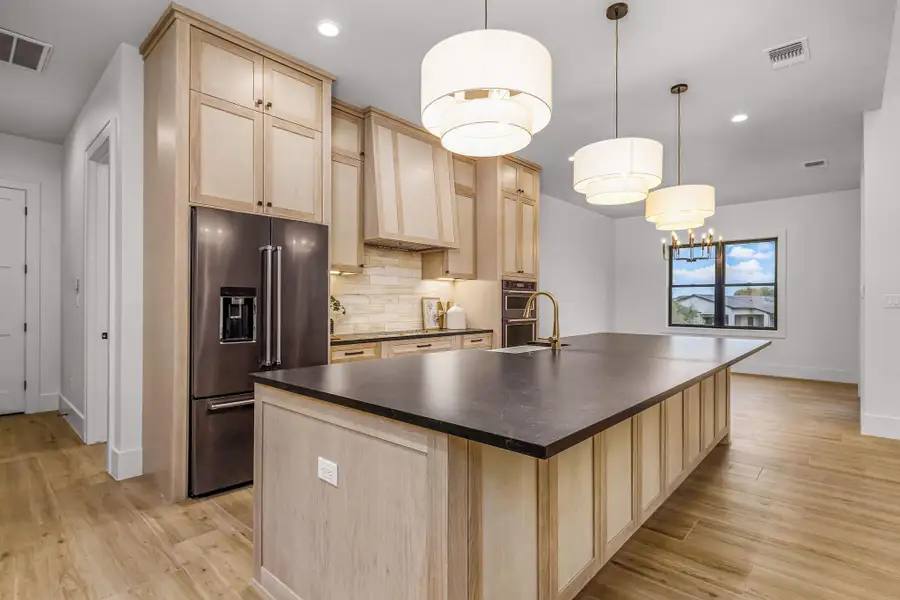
(33, 398)
(95, 348)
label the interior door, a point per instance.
(293, 186)
(226, 154)
(12, 300)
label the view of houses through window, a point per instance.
(734, 288)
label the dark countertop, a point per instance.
(390, 336)
(537, 403)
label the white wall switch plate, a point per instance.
(328, 471)
(892, 300)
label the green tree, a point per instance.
(682, 313)
(766, 291)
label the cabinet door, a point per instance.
(692, 426)
(226, 149)
(418, 195)
(509, 177)
(346, 214)
(461, 262)
(293, 171)
(293, 96)
(651, 427)
(446, 197)
(617, 487)
(674, 417)
(529, 185)
(528, 236)
(708, 408)
(510, 233)
(722, 403)
(346, 135)
(464, 174)
(225, 70)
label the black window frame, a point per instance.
(719, 286)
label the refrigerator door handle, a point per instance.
(267, 255)
(278, 252)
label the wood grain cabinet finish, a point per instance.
(458, 263)
(346, 189)
(516, 178)
(226, 153)
(419, 346)
(409, 199)
(293, 166)
(355, 352)
(291, 95)
(519, 234)
(225, 70)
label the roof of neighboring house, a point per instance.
(764, 304)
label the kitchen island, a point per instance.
(478, 475)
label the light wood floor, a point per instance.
(799, 507)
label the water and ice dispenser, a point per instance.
(237, 315)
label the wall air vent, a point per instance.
(790, 54)
(23, 51)
(812, 164)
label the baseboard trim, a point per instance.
(125, 464)
(881, 426)
(73, 416)
(796, 372)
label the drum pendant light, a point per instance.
(620, 170)
(486, 92)
(680, 206)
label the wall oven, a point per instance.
(516, 329)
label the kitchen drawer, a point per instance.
(420, 346)
(354, 352)
(477, 340)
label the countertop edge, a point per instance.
(538, 451)
(415, 336)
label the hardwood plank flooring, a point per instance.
(799, 507)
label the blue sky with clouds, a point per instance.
(744, 264)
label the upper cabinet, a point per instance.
(409, 195)
(457, 263)
(508, 216)
(346, 189)
(257, 129)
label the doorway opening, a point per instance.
(12, 300)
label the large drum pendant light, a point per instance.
(680, 206)
(620, 170)
(486, 92)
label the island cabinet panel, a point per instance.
(651, 453)
(692, 424)
(380, 532)
(673, 408)
(708, 410)
(722, 403)
(617, 486)
(508, 525)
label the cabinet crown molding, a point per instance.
(177, 12)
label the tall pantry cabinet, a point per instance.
(228, 123)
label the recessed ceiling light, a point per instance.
(739, 118)
(328, 28)
(571, 159)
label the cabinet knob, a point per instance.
(259, 102)
(268, 105)
(268, 204)
(259, 203)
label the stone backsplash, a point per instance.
(387, 296)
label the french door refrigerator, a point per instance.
(259, 301)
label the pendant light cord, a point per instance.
(617, 77)
(485, 14)
(679, 139)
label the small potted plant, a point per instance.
(337, 310)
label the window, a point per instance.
(735, 288)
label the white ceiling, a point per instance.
(806, 112)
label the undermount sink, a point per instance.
(542, 344)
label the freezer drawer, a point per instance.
(221, 443)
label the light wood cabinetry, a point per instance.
(210, 140)
(618, 519)
(481, 341)
(255, 117)
(458, 263)
(355, 352)
(346, 189)
(409, 197)
(429, 345)
(419, 346)
(508, 216)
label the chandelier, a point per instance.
(620, 170)
(486, 92)
(692, 252)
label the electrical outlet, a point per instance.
(892, 300)
(328, 471)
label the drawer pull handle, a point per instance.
(423, 346)
(355, 353)
(476, 341)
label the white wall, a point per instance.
(881, 268)
(577, 267)
(820, 308)
(117, 98)
(41, 163)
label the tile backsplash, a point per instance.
(388, 295)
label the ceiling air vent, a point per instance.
(23, 51)
(812, 164)
(789, 54)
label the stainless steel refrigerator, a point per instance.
(259, 301)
